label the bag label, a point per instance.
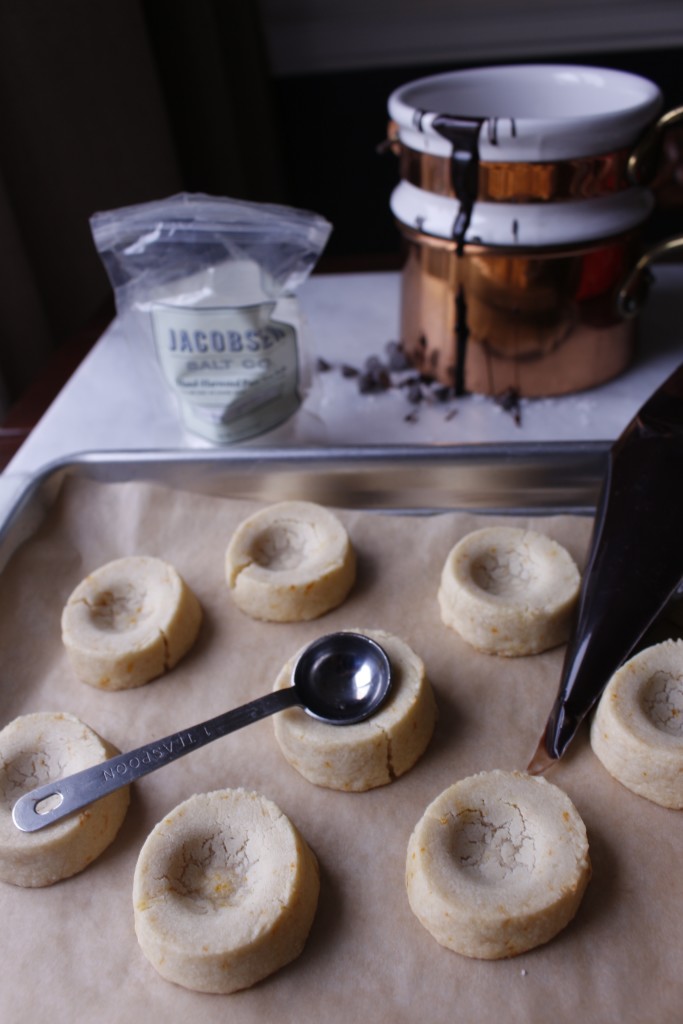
(235, 370)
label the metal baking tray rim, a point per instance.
(516, 479)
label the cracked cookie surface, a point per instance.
(39, 748)
(637, 729)
(370, 753)
(225, 892)
(290, 562)
(129, 622)
(497, 865)
(509, 591)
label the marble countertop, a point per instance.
(117, 400)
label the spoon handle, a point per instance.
(55, 800)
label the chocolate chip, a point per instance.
(380, 375)
(396, 357)
(373, 364)
(414, 394)
(509, 401)
(374, 380)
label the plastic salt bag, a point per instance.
(209, 283)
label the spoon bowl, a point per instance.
(340, 678)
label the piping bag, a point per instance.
(635, 562)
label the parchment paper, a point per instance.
(69, 952)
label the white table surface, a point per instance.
(118, 401)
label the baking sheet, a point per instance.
(70, 951)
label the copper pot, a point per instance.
(542, 322)
(521, 204)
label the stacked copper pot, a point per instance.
(522, 203)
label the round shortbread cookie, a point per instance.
(129, 622)
(637, 729)
(497, 865)
(225, 892)
(36, 749)
(370, 753)
(290, 562)
(509, 591)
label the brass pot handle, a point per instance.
(642, 162)
(634, 290)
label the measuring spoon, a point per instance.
(341, 679)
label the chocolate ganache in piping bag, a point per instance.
(635, 562)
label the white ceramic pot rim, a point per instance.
(523, 225)
(535, 112)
